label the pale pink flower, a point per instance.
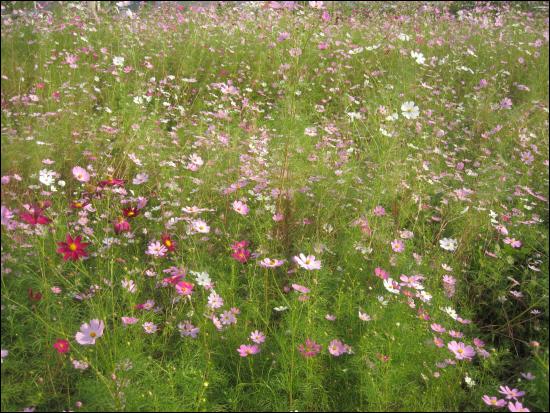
(81, 174)
(240, 208)
(90, 332)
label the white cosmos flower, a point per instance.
(118, 61)
(448, 244)
(410, 110)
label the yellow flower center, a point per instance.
(72, 246)
(93, 334)
(168, 243)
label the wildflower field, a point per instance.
(275, 206)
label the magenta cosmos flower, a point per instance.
(62, 346)
(81, 174)
(309, 262)
(89, 332)
(461, 351)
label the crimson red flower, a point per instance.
(168, 243)
(34, 216)
(130, 212)
(62, 346)
(121, 225)
(73, 249)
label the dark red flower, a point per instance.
(34, 296)
(73, 249)
(168, 243)
(130, 212)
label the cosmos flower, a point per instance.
(156, 249)
(72, 249)
(240, 207)
(187, 329)
(493, 401)
(245, 350)
(397, 245)
(184, 288)
(90, 332)
(309, 262)
(62, 346)
(271, 263)
(257, 337)
(149, 327)
(517, 407)
(448, 244)
(511, 393)
(409, 110)
(81, 174)
(310, 348)
(461, 351)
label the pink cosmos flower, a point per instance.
(364, 316)
(461, 351)
(310, 349)
(81, 174)
(438, 328)
(517, 407)
(271, 263)
(330, 317)
(380, 273)
(215, 301)
(188, 330)
(149, 327)
(511, 393)
(512, 242)
(493, 401)
(245, 350)
(336, 348)
(240, 208)
(90, 332)
(300, 288)
(379, 211)
(257, 337)
(397, 245)
(156, 249)
(129, 320)
(439, 342)
(309, 262)
(506, 103)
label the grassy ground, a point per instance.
(428, 168)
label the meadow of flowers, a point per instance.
(275, 206)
